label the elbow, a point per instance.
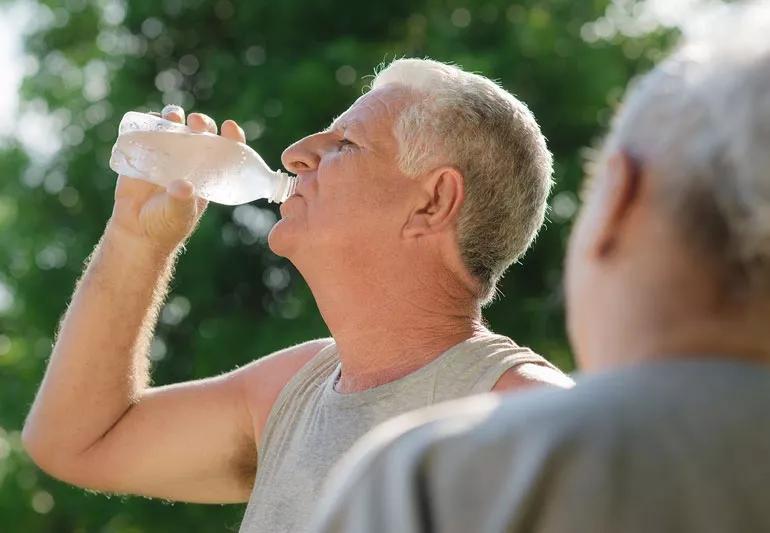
(47, 455)
(31, 443)
(68, 467)
(36, 448)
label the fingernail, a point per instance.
(232, 123)
(171, 108)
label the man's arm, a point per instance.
(97, 424)
(95, 421)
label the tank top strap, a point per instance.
(475, 366)
(502, 355)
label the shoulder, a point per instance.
(527, 375)
(263, 380)
(280, 366)
(510, 366)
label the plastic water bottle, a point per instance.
(222, 170)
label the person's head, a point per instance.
(433, 168)
(672, 246)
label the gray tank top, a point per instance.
(311, 425)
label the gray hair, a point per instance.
(701, 121)
(468, 121)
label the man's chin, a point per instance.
(280, 241)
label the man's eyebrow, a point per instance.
(340, 123)
(337, 123)
(341, 126)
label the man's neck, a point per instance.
(686, 338)
(373, 358)
(388, 328)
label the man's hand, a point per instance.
(158, 217)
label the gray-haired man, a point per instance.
(668, 286)
(408, 210)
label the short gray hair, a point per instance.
(470, 122)
(701, 120)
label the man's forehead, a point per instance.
(389, 99)
(342, 122)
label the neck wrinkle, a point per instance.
(365, 367)
(385, 331)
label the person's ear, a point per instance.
(438, 201)
(620, 194)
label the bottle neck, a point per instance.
(285, 185)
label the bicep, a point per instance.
(190, 441)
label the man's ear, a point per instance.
(619, 196)
(441, 195)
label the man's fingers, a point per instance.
(231, 130)
(180, 189)
(136, 187)
(199, 122)
(173, 113)
(179, 209)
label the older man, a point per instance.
(668, 287)
(409, 209)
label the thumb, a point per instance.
(181, 204)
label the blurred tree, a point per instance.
(283, 69)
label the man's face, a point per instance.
(351, 198)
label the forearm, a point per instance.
(99, 365)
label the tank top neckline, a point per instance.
(379, 392)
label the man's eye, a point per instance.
(345, 142)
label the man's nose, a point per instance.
(304, 155)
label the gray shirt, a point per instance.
(312, 425)
(678, 446)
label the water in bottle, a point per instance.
(222, 170)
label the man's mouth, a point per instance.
(281, 208)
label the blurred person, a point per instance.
(409, 208)
(668, 305)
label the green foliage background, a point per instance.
(284, 69)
